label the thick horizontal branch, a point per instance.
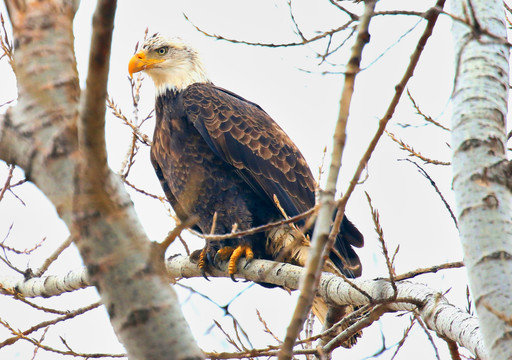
(45, 286)
(445, 319)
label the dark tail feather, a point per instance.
(351, 234)
(345, 258)
(342, 254)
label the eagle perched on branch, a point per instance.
(223, 159)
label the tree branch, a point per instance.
(431, 16)
(91, 123)
(320, 36)
(40, 135)
(321, 243)
(442, 317)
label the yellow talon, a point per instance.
(202, 263)
(241, 250)
(224, 253)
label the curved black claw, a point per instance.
(247, 262)
(217, 260)
(232, 276)
(203, 272)
(203, 262)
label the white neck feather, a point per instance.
(178, 76)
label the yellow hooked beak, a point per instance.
(140, 62)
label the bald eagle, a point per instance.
(219, 155)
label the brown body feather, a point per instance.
(215, 152)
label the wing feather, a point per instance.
(245, 136)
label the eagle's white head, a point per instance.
(170, 62)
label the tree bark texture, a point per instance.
(479, 142)
(43, 135)
(445, 319)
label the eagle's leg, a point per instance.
(234, 255)
(203, 262)
(202, 259)
(241, 250)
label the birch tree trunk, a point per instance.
(480, 169)
(56, 134)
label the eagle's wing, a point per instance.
(245, 136)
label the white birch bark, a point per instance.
(40, 134)
(483, 194)
(442, 317)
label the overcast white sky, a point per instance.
(289, 85)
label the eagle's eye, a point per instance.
(162, 51)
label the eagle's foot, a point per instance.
(234, 255)
(201, 258)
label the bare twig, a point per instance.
(257, 229)
(431, 16)
(266, 328)
(9, 186)
(174, 233)
(224, 308)
(235, 327)
(7, 181)
(476, 29)
(453, 348)
(426, 117)
(273, 45)
(71, 352)
(380, 234)
(432, 269)
(340, 7)
(266, 352)
(229, 339)
(434, 185)
(429, 337)
(19, 297)
(41, 339)
(414, 153)
(347, 320)
(50, 259)
(185, 245)
(5, 44)
(6, 103)
(162, 199)
(295, 24)
(396, 42)
(321, 244)
(469, 302)
(26, 251)
(404, 337)
(366, 321)
(10, 265)
(71, 314)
